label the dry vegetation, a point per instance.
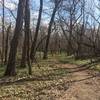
(49, 50)
(54, 79)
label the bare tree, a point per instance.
(33, 48)
(56, 2)
(3, 27)
(27, 34)
(11, 69)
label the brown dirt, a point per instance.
(84, 84)
(80, 83)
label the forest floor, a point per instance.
(58, 78)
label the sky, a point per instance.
(11, 4)
(35, 6)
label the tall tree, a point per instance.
(3, 15)
(33, 48)
(56, 2)
(11, 69)
(82, 31)
(27, 34)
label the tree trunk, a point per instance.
(3, 37)
(7, 43)
(27, 34)
(24, 53)
(57, 2)
(11, 69)
(33, 48)
(49, 33)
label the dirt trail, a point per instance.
(84, 86)
(79, 84)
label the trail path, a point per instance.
(85, 85)
(79, 83)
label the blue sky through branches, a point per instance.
(11, 4)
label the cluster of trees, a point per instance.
(71, 29)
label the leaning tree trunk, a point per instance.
(49, 33)
(33, 48)
(11, 69)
